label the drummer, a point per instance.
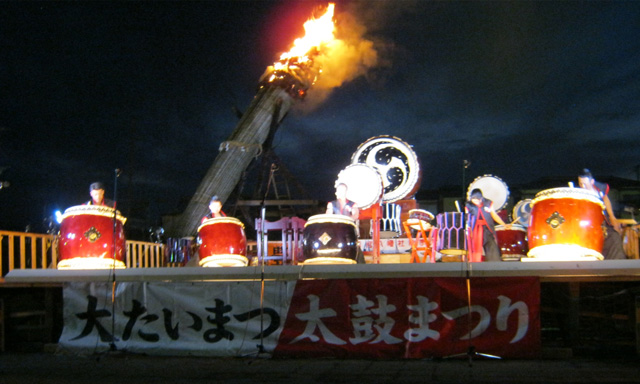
(343, 206)
(612, 247)
(215, 206)
(96, 190)
(482, 234)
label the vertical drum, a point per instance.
(329, 239)
(512, 242)
(566, 224)
(88, 239)
(222, 242)
(452, 239)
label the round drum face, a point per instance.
(364, 186)
(396, 162)
(493, 188)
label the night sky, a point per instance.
(523, 90)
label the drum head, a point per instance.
(493, 188)
(364, 185)
(396, 162)
(522, 212)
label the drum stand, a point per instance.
(471, 349)
(112, 345)
(415, 244)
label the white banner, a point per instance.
(204, 318)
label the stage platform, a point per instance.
(560, 271)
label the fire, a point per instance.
(295, 69)
(318, 32)
(336, 50)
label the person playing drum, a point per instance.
(343, 206)
(215, 206)
(612, 247)
(482, 233)
(96, 190)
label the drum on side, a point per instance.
(566, 224)
(329, 239)
(512, 242)
(223, 243)
(87, 238)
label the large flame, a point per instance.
(328, 55)
(318, 32)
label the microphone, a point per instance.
(118, 172)
(466, 163)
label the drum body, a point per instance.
(493, 188)
(420, 219)
(396, 163)
(364, 185)
(329, 239)
(223, 243)
(566, 224)
(87, 238)
(512, 242)
(452, 238)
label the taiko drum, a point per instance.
(90, 240)
(329, 239)
(223, 243)
(512, 242)
(566, 224)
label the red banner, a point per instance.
(413, 318)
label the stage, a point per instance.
(560, 271)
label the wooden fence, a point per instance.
(22, 250)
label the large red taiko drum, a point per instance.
(566, 224)
(223, 243)
(88, 239)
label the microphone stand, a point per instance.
(112, 346)
(265, 249)
(471, 350)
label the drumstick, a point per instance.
(516, 220)
(457, 206)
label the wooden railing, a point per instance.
(22, 250)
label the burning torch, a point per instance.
(287, 80)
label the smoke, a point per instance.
(349, 56)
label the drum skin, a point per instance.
(396, 162)
(223, 243)
(364, 184)
(451, 233)
(569, 217)
(87, 238)
(512, 242)
(493, 188)
(329, 239)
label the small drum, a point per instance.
(396, 162)
(329, 239)
(419, 219)
(87, 238)
(522, 212)
(364, 185)
(452, 238)
(566, 224)
(390, 221)
(512, 242)
(222, 243)
(493, 188)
